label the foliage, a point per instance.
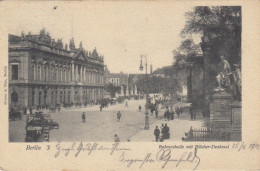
(112, 89)
(220, 30)
(203, 18)
(221, 25)
(186, 50)
(157, 85)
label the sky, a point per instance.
(121, 31)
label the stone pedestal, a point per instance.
(221, 112)
(236, 121)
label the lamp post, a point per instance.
(146, 126)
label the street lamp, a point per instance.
(146, 126)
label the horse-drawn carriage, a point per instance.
(38, 127)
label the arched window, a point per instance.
(33, 94)
(69, 96)
(40, 96)
(39, 73)
(52, 97)
(45, 97)
(33, 72)
(14, 98)
(61, 97)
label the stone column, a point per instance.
(83, 77)
(76, 73)
(26, 96)
(36, 96)
(81, 73)
(48, 96)
(80, 95)
(72, 71)
(72, 94)
(29, 96)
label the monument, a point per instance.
(127, 91)
(225, 109)
(122, 91)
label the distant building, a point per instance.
(159, 73)
(116, 79)
(176, 74)
(42, 72)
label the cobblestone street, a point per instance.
(102, 126)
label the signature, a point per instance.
(165, 156)
(88, 148)
(129, 162)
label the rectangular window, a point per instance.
(55, 75)
(14, 72)
(51, 76)
(43, 73)
(63, 75)
(39, 73)
(32, 72)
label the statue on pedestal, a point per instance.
(237, 82)
(223, 78)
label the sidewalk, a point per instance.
(178, 127)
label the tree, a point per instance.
(186, 50)
(112, 89)
(220, 30)
(222, 24)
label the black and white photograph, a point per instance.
(129, 85)
(123, 74)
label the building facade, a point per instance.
(116, 79)
(44, 73)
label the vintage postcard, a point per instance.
(127, 85)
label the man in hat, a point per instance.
(118, 116)
(166, 114)
(117, 138)
(83, 117)
(157, 133)
(165, 132)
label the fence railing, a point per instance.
(205, 134)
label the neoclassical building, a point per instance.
(42, 72)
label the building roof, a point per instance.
(159, 71)
(45, 42)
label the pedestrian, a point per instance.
(162, 127)
(140, 108)
(178, 112)
(165, 132)
(166, 113)
(126, 105)
(25, 110)
(172, 114)
(83, 117)
(157, 134)
(118, 116)
(156, 112)
(117, 138)
(30, 110)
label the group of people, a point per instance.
(161, 135)
(169, 114)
